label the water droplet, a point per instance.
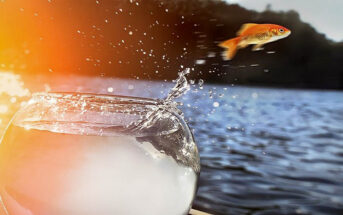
(13, 99)
(3, 109)
(201, 83)
(211, 54)
(110, 89)
(215, 104)
(200, 62)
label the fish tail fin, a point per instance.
(231, 47)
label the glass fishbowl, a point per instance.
(85, 154)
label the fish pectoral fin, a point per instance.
(242, 45)
(257, 47)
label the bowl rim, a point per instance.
(118, 99)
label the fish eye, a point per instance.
(281, 30)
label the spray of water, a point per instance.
(165, 105)
(181, 87)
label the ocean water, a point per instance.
(262, 150)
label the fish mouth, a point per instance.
(287, 33)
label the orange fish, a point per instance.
(253, 34)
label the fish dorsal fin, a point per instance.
(245, 27)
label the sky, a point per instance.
(325, 15)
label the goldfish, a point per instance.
(253, 34)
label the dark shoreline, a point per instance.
(164, 36)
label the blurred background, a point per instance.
(269, 124)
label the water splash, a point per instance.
(181, 87)
(164, 106)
